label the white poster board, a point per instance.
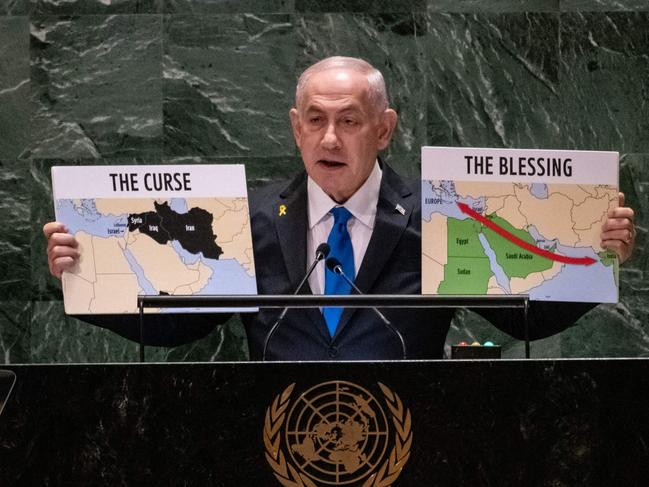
(154, 230)
(518, 221)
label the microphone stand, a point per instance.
(321, 252)
(335, 266)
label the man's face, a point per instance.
(339, 133)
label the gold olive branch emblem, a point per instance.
(399, 455)
(275, 416)
(385, 476)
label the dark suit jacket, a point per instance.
(392, 265)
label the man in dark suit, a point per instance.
(392, 265)
(370, 217)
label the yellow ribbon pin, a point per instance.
(282, 210)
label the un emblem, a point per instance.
(337, 433)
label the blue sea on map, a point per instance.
(179, 205)
(590, 283)
(449, 199)
(501, 277)
(539, 190)
(596, 281)
(86, 218)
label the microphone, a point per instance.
(334, 265)
(320, 253)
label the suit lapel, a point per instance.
(291, 228)
(291, 223)
(389, 225)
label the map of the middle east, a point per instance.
(183, 244)
(516, 231)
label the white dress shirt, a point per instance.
(362, 206)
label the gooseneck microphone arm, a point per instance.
(321, 253)
(334, 265)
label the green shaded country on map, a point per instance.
(607, 258)
(463, 238)
(192, 230)
(514, 260)
(467, 269)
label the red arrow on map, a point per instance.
(522, 243)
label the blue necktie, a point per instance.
(340, 244)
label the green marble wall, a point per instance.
(130, 81)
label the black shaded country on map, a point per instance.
(192, 230)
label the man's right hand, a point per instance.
(62, 248)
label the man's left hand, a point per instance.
(618, 231)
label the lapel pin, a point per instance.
(282, 210)
(400, 209)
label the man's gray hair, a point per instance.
(378, 95)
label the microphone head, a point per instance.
(322, 251)
(334, 265)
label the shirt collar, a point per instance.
(362, 203)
